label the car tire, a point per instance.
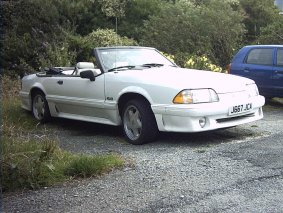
(139, 124)
(268, 99)
(40, 109)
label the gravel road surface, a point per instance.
(234, 170)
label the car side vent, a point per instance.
(56, 109)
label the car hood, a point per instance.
(181, 78)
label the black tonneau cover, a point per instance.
(56, 70)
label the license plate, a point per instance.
(241, 108)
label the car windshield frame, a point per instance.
(130, 58)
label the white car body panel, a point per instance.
(97, 101)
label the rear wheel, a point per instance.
(40, 107)
(139, 124)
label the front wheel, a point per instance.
(139, 124)
(268, 99)
(40, 108)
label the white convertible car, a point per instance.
(140, 89)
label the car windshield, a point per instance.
(123, 58)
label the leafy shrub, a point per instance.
(194, 62)
(99, 38)
(273, 33)
(213, 28)
(32, 24)
(169, 56)
(57, 55)
(202, 63)
(107, 37)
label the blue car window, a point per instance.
(280, 57)
(260, 56)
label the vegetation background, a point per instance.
(40, 33)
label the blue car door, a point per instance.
(259, 66)
(278, 74)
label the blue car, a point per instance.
(264, 65)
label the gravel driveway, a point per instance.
(234, 170)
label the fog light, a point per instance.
(202, 122)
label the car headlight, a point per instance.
(194, 96)
(252, 90)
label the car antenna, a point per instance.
(116, 42)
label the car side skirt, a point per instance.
(25, 100)
(84, 110)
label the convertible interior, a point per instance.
(69, 71)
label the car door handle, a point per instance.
(246, 70)
(60, 82)
(278, 72)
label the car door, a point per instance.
(278, 74)
(259, 66)
(72, 96)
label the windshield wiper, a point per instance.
(152, 65)
(121, 67)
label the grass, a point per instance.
(86, 166)
(32, 158)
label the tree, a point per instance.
(175, 29)
(258, 14)
(136, 12)
(113, 8)
(224, 30)
(183, 28)
(272, 34)
(83, 16)
(33, 25)
(43, 33)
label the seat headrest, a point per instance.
(85, 65)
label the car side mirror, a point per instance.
(89, 74)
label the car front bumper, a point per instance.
(189, 117)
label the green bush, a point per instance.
(99, 38)
(32, 25)
(194, 62)
(273, 33)
(202, 63)
(57, 54)
(213, 28)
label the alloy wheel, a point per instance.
(132, 122)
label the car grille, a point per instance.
(222, 120)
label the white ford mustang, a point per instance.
(140, 89)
